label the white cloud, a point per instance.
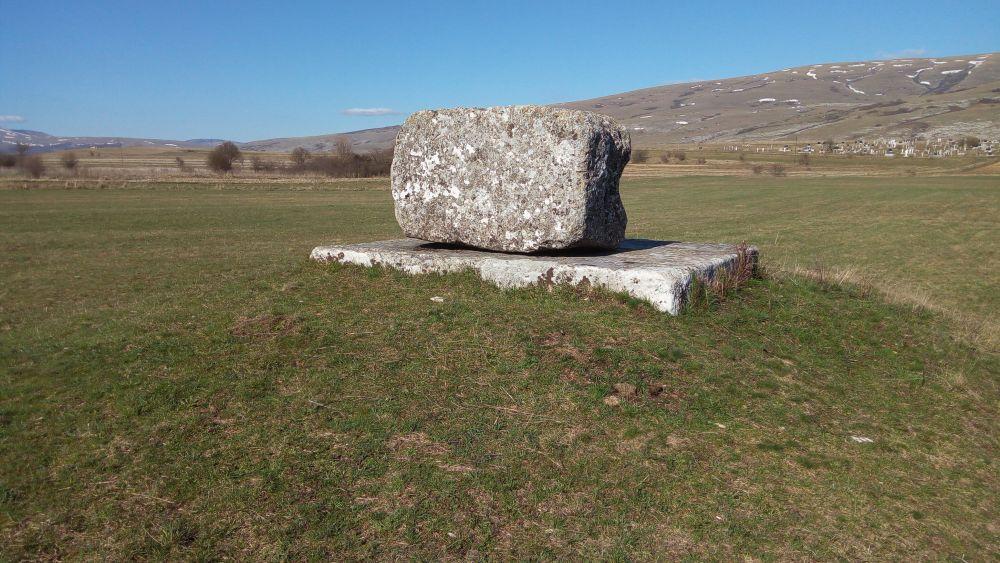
(902, 53)
(11, 119)
(370, 111)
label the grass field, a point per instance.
(178, 381)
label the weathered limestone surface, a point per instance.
(659, 272)
(512, 179)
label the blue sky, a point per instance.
(247, 70)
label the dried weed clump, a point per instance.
(706, 291)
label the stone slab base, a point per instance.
(659, 272)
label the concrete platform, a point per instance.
(656, 271)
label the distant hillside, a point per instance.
(361, 141)
(936, 97)
(944, 97)
(43, 142)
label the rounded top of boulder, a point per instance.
(511, 178)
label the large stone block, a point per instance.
(512, 179)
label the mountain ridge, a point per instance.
(939, 96)
(39, 141)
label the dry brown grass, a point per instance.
(724, 282)
(979, 331)
(264, 326)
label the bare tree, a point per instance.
(300, 155)
(222, 157)
(69, 161)
(22, 149)
(342, 147)
(34, 166)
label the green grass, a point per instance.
(927, 240)
(178, 381)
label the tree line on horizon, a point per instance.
(342, 162)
